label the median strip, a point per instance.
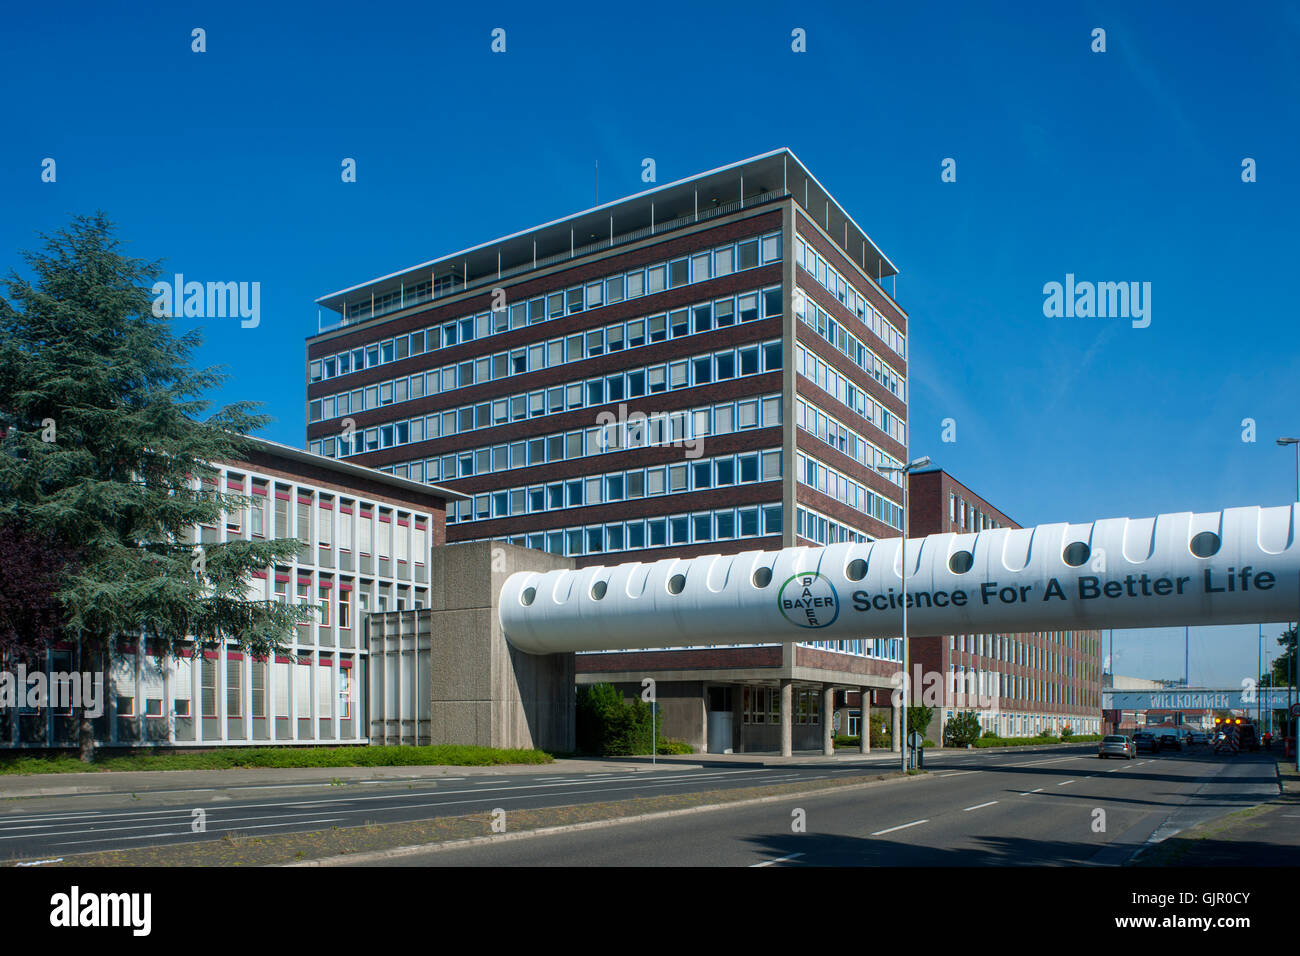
(376, 842)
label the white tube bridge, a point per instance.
(1237, 566)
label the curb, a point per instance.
(375, 856)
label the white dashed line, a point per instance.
(914, 823)
(979, 806)
(780, 859)
(1065, 783)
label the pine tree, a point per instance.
(105, 452)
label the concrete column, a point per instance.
(787, 717)
(737, 719)
(864, 723)
(897, 740)
(828, 728)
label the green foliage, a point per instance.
(918, 719)
(665, 746)
(1282, 667)
(609, 725)
(1067, 732)
(989, 733)
(106, 449)
(1032, 741)
(253, 757)
(961, 729)
(881, 733)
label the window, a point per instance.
(209, 687)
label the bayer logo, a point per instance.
(809, 600)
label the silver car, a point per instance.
(1116, 745)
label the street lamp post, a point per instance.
(904, 471)
(1284, 442)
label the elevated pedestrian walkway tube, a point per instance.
(1237, 566)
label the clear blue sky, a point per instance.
(1123, 165)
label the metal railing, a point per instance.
(459, 285)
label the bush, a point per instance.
(1067, 732)
(961, 729)
(610, 726)
(668, 746)
(989, 733)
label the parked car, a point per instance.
(1146, 742)
(1170, 742)
(1198, 738)
(1116, 745)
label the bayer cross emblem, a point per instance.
(809, 600)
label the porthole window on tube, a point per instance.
(598, 590)
(857, 570)
(961, 562)
(1076, 553)
(529, 595)
(1206, 544)
(676, 584)
(762, 577)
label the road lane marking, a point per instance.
(954, 773)
(1064, 783)
(779, 859)
(979, 806)
(1028, 792)
(914, 823)
(147, 836)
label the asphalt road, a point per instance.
(991, 809)
(973, 807)
(49, 827)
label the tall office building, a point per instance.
(709, 366)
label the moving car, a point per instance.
(1145, 741)
(1116, 745)
(1170, 742)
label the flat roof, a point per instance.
(354, 470)
(777, 171)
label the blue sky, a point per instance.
(1116, 166)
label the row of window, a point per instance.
(684, 428)
(842, 438)
(685, 373)
(721, 472)
(882, 648)
(178, 672)
(696, 528)
(857, 496)
(762, 705)
(995, 684)
(968, 517)
(647, 280)
(834, 283)
(817, 527)
(1039, 657)
(807, 364)
(621, 336)
(849, 344)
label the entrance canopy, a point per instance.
(1237, 566)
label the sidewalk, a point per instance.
(1267, 835)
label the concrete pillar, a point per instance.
(828, 727)
(864, 723)
(897, 740)
(787, 717)
(737, 719)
